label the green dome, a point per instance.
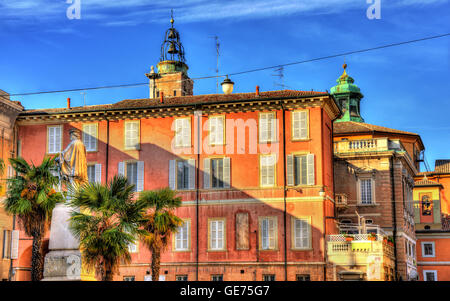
(345, 84)
(348, 97)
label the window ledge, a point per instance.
(302, 249)
(367, 205)
(222, 250)
(301, 140)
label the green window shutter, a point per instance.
(311, 175)
(206, 173)
(191, 163)
(437, 211)
(290, 170)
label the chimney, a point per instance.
(161, 94)
(257, 91)
(68, 102)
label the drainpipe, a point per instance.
(394, 213)
(107, 149)
(197, 198)
(284, 192)
(323, 201)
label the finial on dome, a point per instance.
(344, 66)
(171, 16)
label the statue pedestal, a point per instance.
(64, 261)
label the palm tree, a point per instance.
(106, 223)
(31, 196)
(159, 222)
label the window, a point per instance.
(299, 125)
(301, 233)
(133, 247)
(269, 277)
(174, 92)
(132, 135)
(6, 244)
(305, 277)
(300, 170)
(242, 231)
(128, 278)
(94, 173)
(216, 172)
(430, 275)
(217, 277)
(134, 172)
(216, 130)
(268, 233)
(54, 139)
(428, 249)
(217, 234)
(182, 237)
(182, 174)
(267, 170)
(267, 127)
(426, 205)
(90, 134)
(366, 191)
(183, 132)
(181, 277)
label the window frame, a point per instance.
(60, 139)
(274, 136)
(96, 136)
(293, 233)
(274, 171)
(423, 243)
(269, 275)
(188, 231)
(125, 171)
(260, 233)
(294, 139)
(224, 234)
(186, 164)
(372, 192)
(138, 144)
(181, 276)
(221, 116)
(182, 145)
(430, 271)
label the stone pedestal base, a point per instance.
(65, 265)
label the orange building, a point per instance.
(432, 203)
(8, 149)
(254, 170)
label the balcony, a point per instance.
(366, 254)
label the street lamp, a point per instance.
(227, 86)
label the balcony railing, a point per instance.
(368, 145)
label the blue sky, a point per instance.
(116, 42)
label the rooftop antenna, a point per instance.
(280, 75)
(216, 38)
(84, 98)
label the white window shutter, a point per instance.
(172, 172)
(273, 125)
(191, 167)
(310, 162)
(57, 139)
(226, 172)
(303, 125)
(271, 231)
(263, 128)
(121, 169)
(187, 132)
(206, 173)
(140, 176)
(290, 170)
(98, 173)
(15, 244)
(295, 125)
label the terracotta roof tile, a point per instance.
(426, 182)
(360, 127)
(442, 166)
(180, 100)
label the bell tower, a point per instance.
(348, 97)
(172, 78)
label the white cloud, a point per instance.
(143, 11)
